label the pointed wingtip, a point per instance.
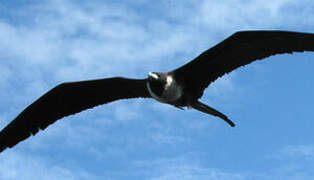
(232, 124)
(225, 118)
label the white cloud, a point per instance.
(128, 111)
(5, 74)
(306, 151)
(70, 41)
(190, 172)
(188, 168)
(235, 15)
(168, 139)
(21, 166)
(182, 168)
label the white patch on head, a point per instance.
(173, 90)
(153, 75)
(169, 81)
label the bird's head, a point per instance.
(157, 82)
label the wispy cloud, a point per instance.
(182, 168)
(306, 151)
(18, 166)
(192, 172)
(235, 15)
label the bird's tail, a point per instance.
(209, 110)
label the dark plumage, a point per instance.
(66, 99)
(181, 87)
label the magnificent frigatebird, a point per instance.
(181, 87)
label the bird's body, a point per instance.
(164, 87)
(167, 88)
(181, 87)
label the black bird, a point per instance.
(181, 87)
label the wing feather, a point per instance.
(238, 50)
(66, 99)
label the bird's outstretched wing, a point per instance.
(238, 50)
(66, 99)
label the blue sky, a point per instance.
(44, 43)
